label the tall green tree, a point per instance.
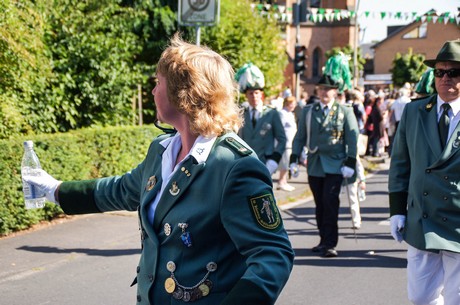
(24, 64)
(243, 35)
(93, 49)
(407, 67)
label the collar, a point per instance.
(329, 105)
(455, 105)
(200, 150)
(259, 108)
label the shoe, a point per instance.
(330, 253)
(318, 248)
(286, 187)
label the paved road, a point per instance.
(92, 259)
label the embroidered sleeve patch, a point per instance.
(265, 211)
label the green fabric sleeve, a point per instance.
(247, 293)
(398, 203)
(77, 197)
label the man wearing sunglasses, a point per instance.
(424, 185)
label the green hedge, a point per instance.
(82, 154)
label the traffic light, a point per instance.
(299, 59)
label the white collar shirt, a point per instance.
(200, 151)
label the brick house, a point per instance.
(318, 38)
(423, 37)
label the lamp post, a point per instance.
(355, 47)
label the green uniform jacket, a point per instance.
(333, 139)
(424, 180)
(228, 205)
(262, 137)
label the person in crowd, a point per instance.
(424, 183)
(330, 132)
(356, 100)
(290, 128)
(355, 185)
(262, 129)
(403, 98)
(375, 119)
(314, 97)
(211, 232)
(301, 103)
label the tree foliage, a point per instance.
(407, 67)
(245, 36)
(68, 64)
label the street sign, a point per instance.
(198, 12)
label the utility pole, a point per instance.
(355, 48)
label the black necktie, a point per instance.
(254, 120)
(443, 124)
(325, 111)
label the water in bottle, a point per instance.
(30, 165)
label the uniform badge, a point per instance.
(174, 190)
(167, 229)
(265, 211)
(151, 183)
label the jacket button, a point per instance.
(425, 215)
(425, 193)
(446, 177)
(138, 269)
(445, 198)
(428, 171)
(139, 298)
(444, 219)
(151, 278)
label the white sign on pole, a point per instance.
(198, 12)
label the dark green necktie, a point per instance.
(254, 119)
(443, 124)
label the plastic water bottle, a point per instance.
(30, 164)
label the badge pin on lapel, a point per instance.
(456, 143)
(185, 236)
(174, 190)
(151, 183)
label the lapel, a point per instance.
(150, 195)
(430, 128)
(179, 183)
(318, 114)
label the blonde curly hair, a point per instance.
(201, 85)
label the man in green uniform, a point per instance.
(424, 185)
(262, 129)
(329, 131)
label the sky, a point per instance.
(375, 28)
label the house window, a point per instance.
(315, 69)
(418, 32)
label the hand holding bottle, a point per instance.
(45, 183)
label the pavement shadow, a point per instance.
(90, 252)
(352, 259)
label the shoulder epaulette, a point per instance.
(235, 145)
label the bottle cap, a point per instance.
(28, 144)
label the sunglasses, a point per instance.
(450, 73)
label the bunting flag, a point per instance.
(318, 15)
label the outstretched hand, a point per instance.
(45, 183)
